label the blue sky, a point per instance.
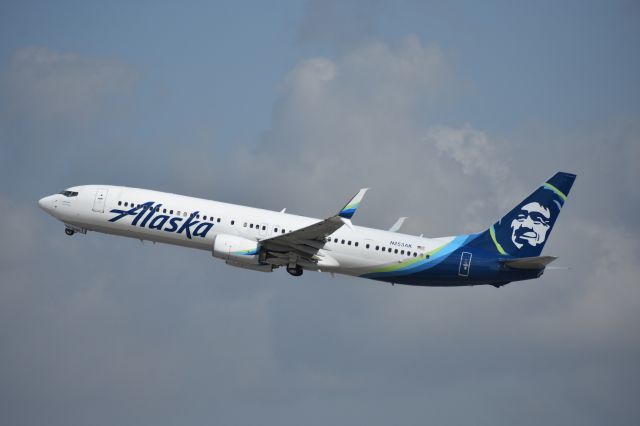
(450, 111)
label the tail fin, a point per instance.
(524, 231)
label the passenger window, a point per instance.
(356, 244)
(396, 251)
(335, 240)
(349, 242)
(275, 230)
(218, 220)
(367, 245)
(119, 203)
(342, 241)
(164, 210)
(377, 247)
(415, 254)
(284, 230)
(264, 227)
(245, 225)
(170, 211)
(184, 214)
(383, 249)
(251, 225)
(402, 252)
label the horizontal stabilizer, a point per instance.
(538, 262)
(396, 226)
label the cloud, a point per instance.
(124, 332)
(357, 121)
(54, 86)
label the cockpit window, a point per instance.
(69, 193)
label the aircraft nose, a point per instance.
(46, 203)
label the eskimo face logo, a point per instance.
(145, 216)
(530, 225)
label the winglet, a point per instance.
(349, 210)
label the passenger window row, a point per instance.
(171, 212)
(264, 227)
(379, 248)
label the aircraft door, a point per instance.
(99, 201)
(465, 264)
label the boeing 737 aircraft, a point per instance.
(262, 240)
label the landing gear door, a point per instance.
(465, 264)
(101, 198)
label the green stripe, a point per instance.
(493, 237)
(409, 262)
(556, 190)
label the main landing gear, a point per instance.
(296, 271)
(69, 231)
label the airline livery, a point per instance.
(263, 240)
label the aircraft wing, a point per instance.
(305, 242)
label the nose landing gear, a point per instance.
(69, 231)
(296, 271)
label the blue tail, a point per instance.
(524, 231)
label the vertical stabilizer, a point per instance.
(524, 231)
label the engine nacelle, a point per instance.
(239, 252)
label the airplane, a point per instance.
(264, 240)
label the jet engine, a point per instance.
(239, 252)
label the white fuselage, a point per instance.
(350, 249)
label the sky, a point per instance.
(452, 112)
